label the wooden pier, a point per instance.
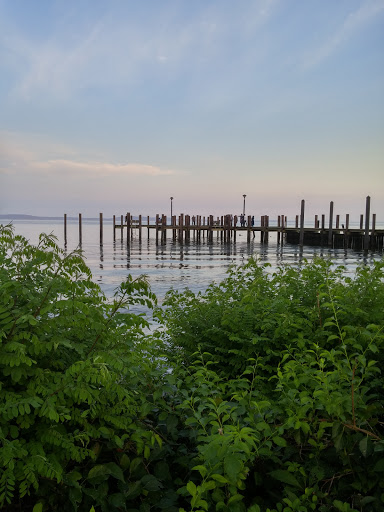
(227, 228)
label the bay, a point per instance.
(189, 265)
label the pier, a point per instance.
(184, 228)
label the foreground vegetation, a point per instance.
(263, 394)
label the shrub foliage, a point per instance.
(262, 394)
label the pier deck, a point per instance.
(228, 227)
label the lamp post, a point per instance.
(244, 195)
(171, 206)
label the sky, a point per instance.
(115, 106)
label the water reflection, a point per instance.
(194, 264)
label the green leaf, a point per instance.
(363, 445)
(279, 441)
(99, 471)
(191, 488)
(379, 466)
(151, 483)
(115, 471)
(219, 478)
(232, 467)
(202, 470)
(38, 507)
(235, 498)
(284, 476)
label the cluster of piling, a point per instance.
(183, 228)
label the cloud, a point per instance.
(28, 155)
(117, 49)
(353, 23)
(101, 168)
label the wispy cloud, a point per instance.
(101, 168)
(19, 155)
(351, 25)
(114, 50)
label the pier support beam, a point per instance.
(367, 215)
(330, 234)
(302, 211)
(65, 229)
(80, 230)
(128, 228)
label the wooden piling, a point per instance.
(65, 229)
(174, 228)
(114, 228)
(163, 229)
(148, 226)
(266, 235)
(346, 231)
(181, 227)
(337, 221)
(157, 228)
(140, 222)
(101, 228)
(302, 211)
(316, 221)
(297, 222)
(128, 228)
(367, 216)
(122, 227)
(262, 224)
(80, 230)
(361, 221)
(330, 234)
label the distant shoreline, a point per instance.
(18, 216)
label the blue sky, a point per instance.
(116, 106)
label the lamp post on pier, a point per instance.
(244, 195)
(171, 206)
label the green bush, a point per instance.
(281, 386)
(77, 377)
(263, 394)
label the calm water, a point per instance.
(175, 265)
